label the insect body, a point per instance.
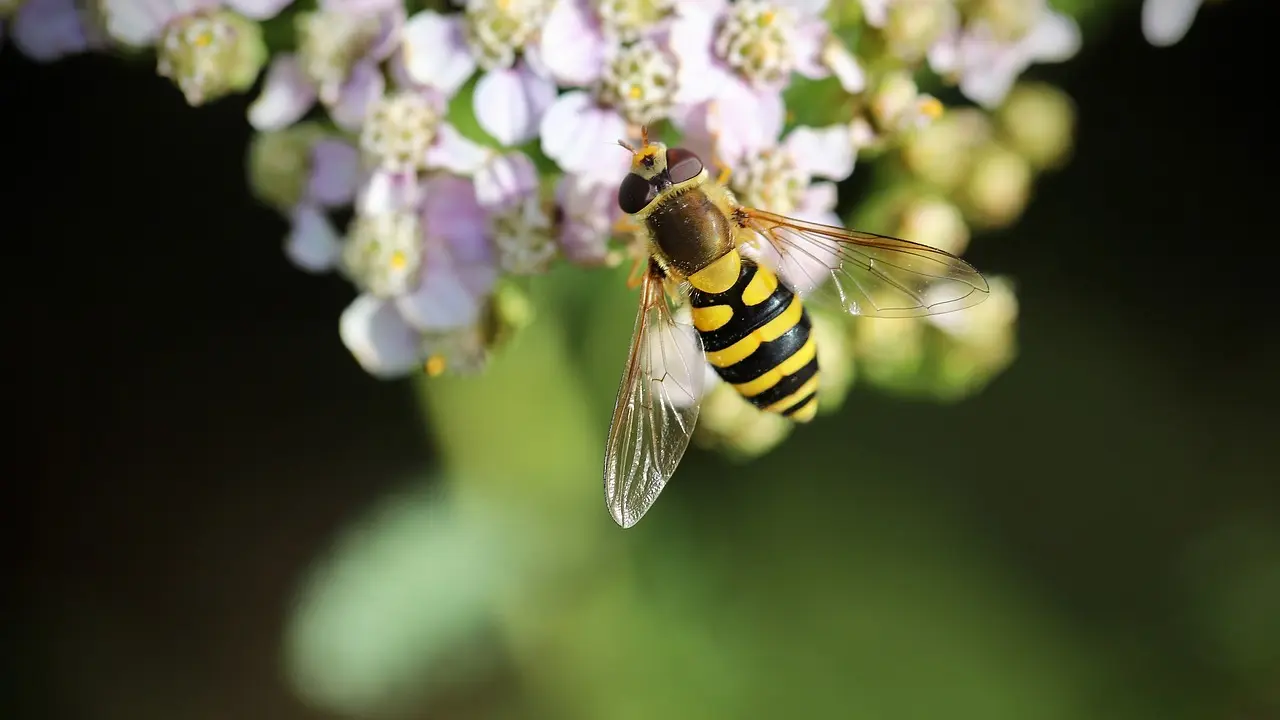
(707, 251)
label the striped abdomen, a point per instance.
(756, 335)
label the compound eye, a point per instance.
(635, 193)
(682, 165)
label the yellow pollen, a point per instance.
(434, 366)
(931, 107)
(398, 260)
(766, 18)
(635, 92)
(204, 39)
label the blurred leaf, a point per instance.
(395, 611)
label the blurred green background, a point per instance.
(221, 516)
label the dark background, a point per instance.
(191, 429)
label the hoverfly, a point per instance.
(707, 252)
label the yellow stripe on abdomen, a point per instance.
(756, 336)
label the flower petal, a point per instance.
(46, 30)
(844, 66)
(505, 180)
(812, 8)
(313, 244)
(745, 121)
(807, 47)
(510, 103)
(1165, 22)
(452, 212)
(589, 208)
(375, 333)
(698, 76)
(258, 9)
(387, 191)
(455, 153)
(441, 301)
(823, 152)
(335, 172)
(364, 86)
(876, 12)
(575, 132)
(139, 22)
(1055, 38)
(287, 94)
(435, 51)
(572, 46)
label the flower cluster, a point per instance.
(435, 153)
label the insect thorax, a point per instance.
(690, 230)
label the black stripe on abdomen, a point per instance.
(786, 385)
(746, 318)
(769, 355)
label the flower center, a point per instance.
(208, 55)
(754, 40)
(399, 130)
(330, 44)
(497, 29)
(383, 252)
(627, 19)
(771, 181)
(640, 81)
(523, 238)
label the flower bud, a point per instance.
(729, 423)
(211, 55)
(280, 164)
(1038, 121)
(913, 26)
(977, 344)
(935, 222)
(1009, 20)
(998, 187)
(941, 153)
(889, 351)
(835, 357)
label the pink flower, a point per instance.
(337, 62)
(588, 211)
(46, 30)
(628, 75)
(443, 51)
(735, 60)
(987, 67)
(141, 22)
(424, 268)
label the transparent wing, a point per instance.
(656, 408)
(873, 275)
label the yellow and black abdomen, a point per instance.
(756, 336)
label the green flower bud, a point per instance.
(913, 26)
(942, 152)
(977, 344)
(211, 55)
(1038, 121)
(280, 164)
(890, 352)
(935, 222)
(1009, 20)
(734, 426)
(835, 357)
(998, 187)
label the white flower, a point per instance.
(1166, 22)
(986, 63)
(443, 51)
